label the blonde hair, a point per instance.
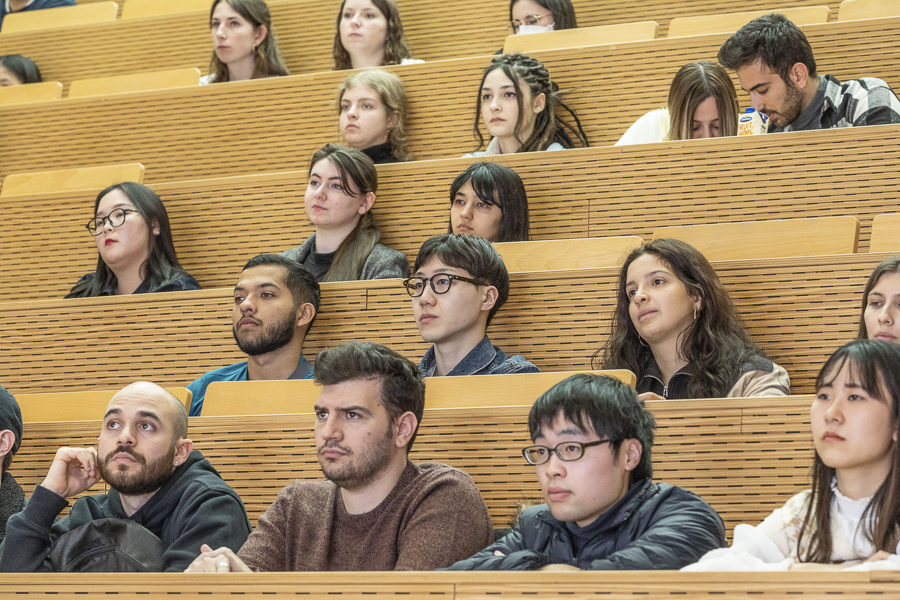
(267, 60)
(395, 47)
(694, 83)
(389, 88)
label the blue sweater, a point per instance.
(36, 5)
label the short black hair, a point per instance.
(22, 67)
(402, 383)
(772, 39)
(605, 405)
(472, 254)
(301, 283)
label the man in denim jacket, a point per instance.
(460, 283)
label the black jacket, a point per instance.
(654, 526)
(195, 506)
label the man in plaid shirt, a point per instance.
(775, 65)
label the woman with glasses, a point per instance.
(338, 202)
(676, 328)
(370, 34)
(539, 16)
(245, 45)
(489, 200)
(134, 242)
(517, 103)
(851, 513)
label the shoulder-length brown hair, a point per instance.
(267, 60)
(716, 345)
(694, 83)
(395, 46)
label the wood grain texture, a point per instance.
(136, 82)
(731, 22)
(75, 406)
(885, 233)
(867, 9)
(93, 179)
(582, 36)
(33, 92)
(27, 22)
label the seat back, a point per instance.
(885, 233)
(582, 36)
(135, 82)
(553, 255)
(731, 22)
(138, 9)
(868, 9)
(88, 178)
(75, 406)
(31, 92)
(63, 16)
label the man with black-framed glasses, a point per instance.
(591, 448)
(460, 283)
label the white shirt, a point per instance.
(649, 129)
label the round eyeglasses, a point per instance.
(440, 283)
(116, 218)
(529, 20)
(569, 451)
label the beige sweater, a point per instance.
(432, 518)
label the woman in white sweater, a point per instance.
(852, 512)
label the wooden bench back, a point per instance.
(553, 255)
(64, 16)
(885, 233)
(72, 180)
(731, 22)
(176, 128)
(136, 82)
(75, 406)
(798, 309)
(226, 398)
(139, 9)
(768, 239)
(32, 92)
(867, 9)
(711, 447)
(582, 36)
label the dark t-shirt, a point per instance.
(318, 263)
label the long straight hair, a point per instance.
(875, 365)
(716, 344)
(358, 178)
(499, 186)
(694, 83)
(888, 265)
(525, 71)
(395, 46)
(162, 264)
(267, 60)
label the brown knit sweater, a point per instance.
(432, 518)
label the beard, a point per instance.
(790, 108)
(149, 478)
(360, 470)
(271, 338)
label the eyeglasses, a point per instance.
(529, 20)
(568, 451)
(116, 218)
(440, 283)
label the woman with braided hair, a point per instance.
(517, 102)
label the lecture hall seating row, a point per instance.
(798, 309)
(271, 125)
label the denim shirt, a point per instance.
(483, 359)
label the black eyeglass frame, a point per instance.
(430, 281)
(555, 450)
(99, 223)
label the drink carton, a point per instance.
(753, 123)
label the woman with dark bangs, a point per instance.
(489, 200)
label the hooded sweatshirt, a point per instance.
(195, 506)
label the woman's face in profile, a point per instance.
(706, 120)
(125, 245)
(365, 120)
(7, 78)
(363, 28)
(882, 312)
(233, 36)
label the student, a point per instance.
(517, 102)
(775, 65)
(275, 302)
(12, 496)
(245, 45)
(134, 242)
(880, 317)
(676, 328)
(370, 34)
(592, 454)
(702, 104)
(13, 6)
(852, 511)
(489, 200)
(460, 283)
(16, 69)
(373, 110)
(539, 16)
(377, 511)
(339, 199)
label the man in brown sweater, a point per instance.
(378, 511)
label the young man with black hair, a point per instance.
(775, 65)
(378, 511)
(460, 283)
(12, 497)
(592, 447)
(275, 302)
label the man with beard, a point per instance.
(775, 65)
(156, 480)
(378, 511)
(275, 302)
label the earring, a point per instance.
(642, 342)
(696, 313)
